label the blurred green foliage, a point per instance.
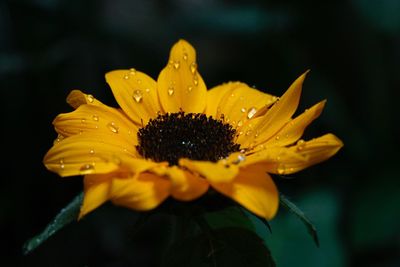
(48, 47)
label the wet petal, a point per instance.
(97, 119)
(241, 103)
(136, 93)
(212, 171)
(294, 129)
(76, 98)
(143, 193)
(254, 190)
(180, 86)
(87, 154)
(287, 160)
(276, 117)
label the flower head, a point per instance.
(173, 138)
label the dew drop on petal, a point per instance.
(185, 56)
(281, 169)
(147, 90)
(126, 77)
(248, 132)
(90, 98)
(132, 71)
(195, 81)
(243, 110)
(193, 67)
(176, 64)
(277, 137)
(86, 169)
(240, 123)
(113, 128)
(95, 117)
(137, 95)
(171, 91)
(241, 157)
(300, 144)
(91, 151)
(252, 111)
(62, 166)
(83, 120)
(190, 88)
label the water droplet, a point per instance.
(256, 134)
(185, 56)
(86, 169)
(300, 144)
(176, 64)
(90, 98)
(58, 139)
(248, 132)
(193, 67)
(195, 80)
(91, 151)
(83, 120)
(252, 111)
(113, 128)
(243, 110)
(132, 71)
(281, 170)
(190, 88)
(171, 91)
(95, 117)
(62, 166)
(126, 77)
(277, 137)
(240, 123)
(147, 90)
(287, 135)
(240, 133)
(137, 95)
(139, 81)
(241, 157)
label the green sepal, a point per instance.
(65, 216)
(312, 230)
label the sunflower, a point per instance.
(174, 138)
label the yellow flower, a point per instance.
(173, 138)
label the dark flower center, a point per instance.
(172, 136)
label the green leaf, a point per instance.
(230, 246)
(64, 217)
(300, 214)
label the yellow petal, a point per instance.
(254, 190)
(180, 86)
(294, 129)
(97, 119)
(287, 160)
(185, 186)
(136, 93)
(216, 172)
(143, 193)
(88, 153)
(96, 191)
(276, 117)
(76, 98)
(214, 96)
(240, 103)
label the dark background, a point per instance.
(352, 47)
